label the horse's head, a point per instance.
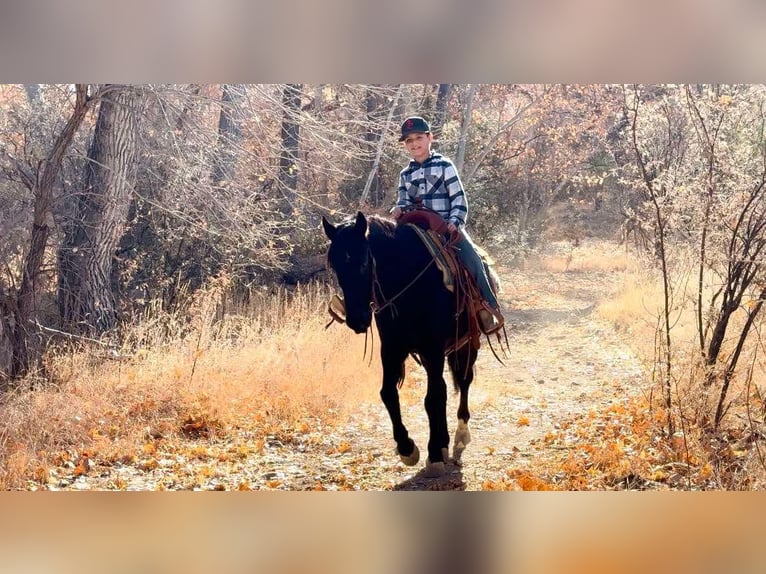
(349, 256)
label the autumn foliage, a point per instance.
(272, 373)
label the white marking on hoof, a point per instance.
(462, 438)
(413, 459)
(434, 469)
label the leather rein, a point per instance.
(377, 306)
(415, 215)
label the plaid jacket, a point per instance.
(437, 183)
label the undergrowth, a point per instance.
(269, 367)
(626, 446)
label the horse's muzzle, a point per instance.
(359, 322)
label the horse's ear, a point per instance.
(329, 228)
(361, 223)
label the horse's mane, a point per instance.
(381, 226)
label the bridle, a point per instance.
(380, 303)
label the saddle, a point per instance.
(433, 230)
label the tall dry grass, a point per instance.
(733, 455)
(586, 256)
(636, 309)
(268, 366)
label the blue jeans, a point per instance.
(470, 258)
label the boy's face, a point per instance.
(419, 146)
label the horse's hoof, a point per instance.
(462, 438)
(457, 453)
(413, 458)
(434, 469)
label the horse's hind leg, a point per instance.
(461, 364)
(393, 373)
(436, 408)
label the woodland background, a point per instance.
(128, 205)
(116, 198)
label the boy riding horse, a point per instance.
(431, 180)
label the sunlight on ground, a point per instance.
(275, 369)
(587, 256)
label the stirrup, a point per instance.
(337, 309)
(490, 322)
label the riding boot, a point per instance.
(490, 318)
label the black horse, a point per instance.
(385, 269)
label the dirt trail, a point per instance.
(564, 361)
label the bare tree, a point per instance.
(86, 257)
(440, 114)
(288, 159)
(701, 157)
(464, 127)
(502, 130)
(20, 311)
(229, 132)
(655, 191)
(374, 175)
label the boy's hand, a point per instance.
(396, 212)
(451, 227)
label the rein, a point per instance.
(376, 306)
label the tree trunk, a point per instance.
(318, 104)
(86, 258)
(229, 133)
(323, 180)
(34, 95)
(440, 117)
(372, 135)
(24, 308)
(373, 174)
(288, 169)
(463, 141)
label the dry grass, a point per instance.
(729, 458)
(634, 310)
(626, 445)
(266, 370)
(586, 256)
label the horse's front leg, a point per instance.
(436, 409)
(393, 373)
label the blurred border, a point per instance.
(481, 41)
(549, 41)
(401, 533)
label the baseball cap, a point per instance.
(414, 124)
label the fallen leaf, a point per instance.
(83, 466)
(42, 474)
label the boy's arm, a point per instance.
(458, 203)
(403, 198)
